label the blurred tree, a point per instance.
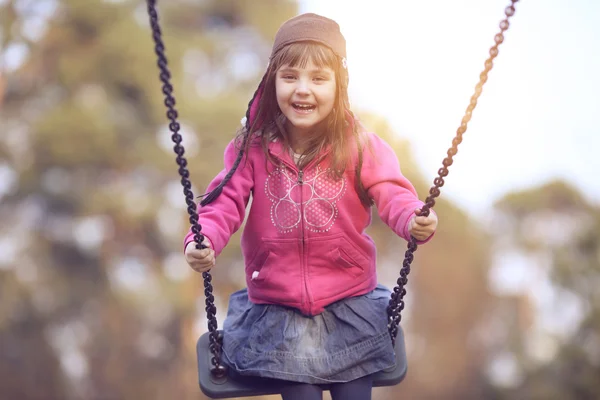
(555, 228)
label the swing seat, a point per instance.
(235, 385)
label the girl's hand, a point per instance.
(421, 228)
(200, 260)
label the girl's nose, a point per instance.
(302, 87)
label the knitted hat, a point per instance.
(307, 27)
(313, 28)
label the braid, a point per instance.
(260, 86)
(217, 191)
(211, 196)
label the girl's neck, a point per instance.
(300, 140)
(298, 145)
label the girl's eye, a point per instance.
(319, 78)
(288, 77)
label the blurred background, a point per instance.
(96, 300)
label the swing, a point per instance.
(215, 380)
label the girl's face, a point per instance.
(305, 95)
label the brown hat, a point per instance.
(312, 28)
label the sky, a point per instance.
(417, 62)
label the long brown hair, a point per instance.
(267, 122)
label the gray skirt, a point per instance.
(347, 341)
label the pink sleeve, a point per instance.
(224, 216)
(394, 195)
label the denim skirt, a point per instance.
(347, 341)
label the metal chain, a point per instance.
(396, 304)
(215, 339)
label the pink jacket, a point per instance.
(304, 242)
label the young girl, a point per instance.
(313, 312)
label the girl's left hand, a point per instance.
(421, 228)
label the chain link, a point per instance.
(396, 304)
(215, 340)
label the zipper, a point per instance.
(307, 301)
(303, 265)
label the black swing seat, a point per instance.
(234, 385)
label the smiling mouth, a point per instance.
(305, 108)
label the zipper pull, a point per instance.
(300, 176)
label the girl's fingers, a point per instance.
(424, 221)
(196, 254)
(203, 266)
(421, 235)
(420, 231)
(191, 247)
(201, 260)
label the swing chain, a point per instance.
(216, 340)
(396, 304)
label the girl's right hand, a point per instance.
(200, 260)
